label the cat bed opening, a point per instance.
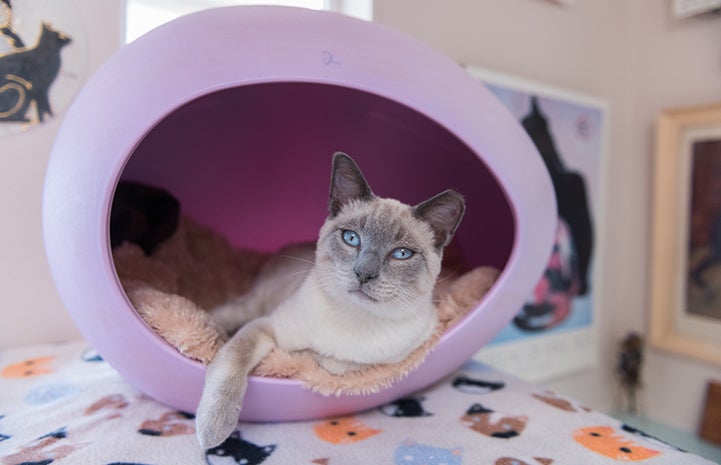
(239, 123)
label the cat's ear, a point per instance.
(346, 183)
(443, 213)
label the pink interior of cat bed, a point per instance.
(240, 122)
(253, 163)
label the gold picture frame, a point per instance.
(685, 294)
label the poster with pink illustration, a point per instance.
(553, 333)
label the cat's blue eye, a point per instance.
(351, 238)
(401, 253)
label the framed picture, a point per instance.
(43, 61)
(555, 331)
(685, 299)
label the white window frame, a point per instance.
(144, 15)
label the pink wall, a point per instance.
(639, 59)
(32, 311)
(678, 63)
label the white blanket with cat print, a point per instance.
(62, 404)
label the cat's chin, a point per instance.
(373, 306)
(381, 309)
(362, 297)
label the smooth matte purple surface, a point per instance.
(240, 123)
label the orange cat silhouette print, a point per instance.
(28, 368)
(344, 430)
(606, 441)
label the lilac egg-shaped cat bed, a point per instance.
(237, 112)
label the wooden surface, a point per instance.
(711, 422)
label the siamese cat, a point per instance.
(361, 296)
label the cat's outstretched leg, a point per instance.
(227, 379)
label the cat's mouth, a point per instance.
(359, 293)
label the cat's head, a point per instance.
(236, 450)
(51, 35)
(381, 253)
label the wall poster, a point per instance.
(43, 61)
(555, 331)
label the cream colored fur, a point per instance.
(366, 300)
(196, 269)
(153, 285)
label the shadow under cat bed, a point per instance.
(174, 270)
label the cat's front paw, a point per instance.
(215, 420)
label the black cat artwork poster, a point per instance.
(555, 330)
(42, 61)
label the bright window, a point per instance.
(144, 15)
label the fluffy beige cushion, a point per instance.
(196, 269)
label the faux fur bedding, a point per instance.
(195, 269)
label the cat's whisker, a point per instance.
(406, 298)
(411, 307)
(405, 303)
(443, 277)
(304, 260)
(323, 282)
(298, 273)
(326, 279)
